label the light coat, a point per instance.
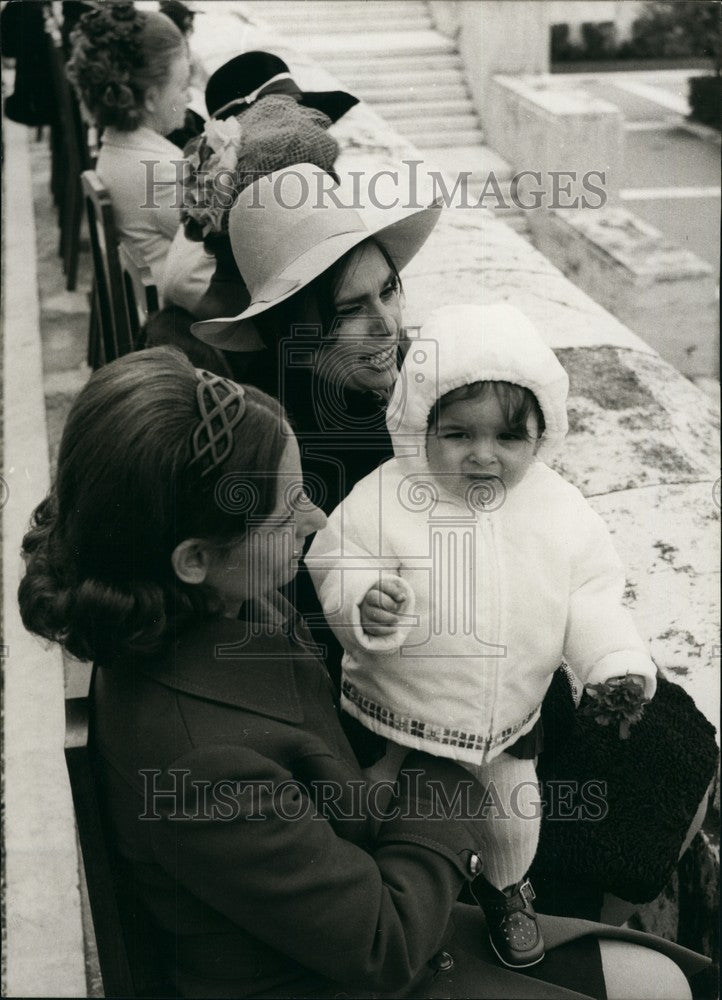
(141, 171)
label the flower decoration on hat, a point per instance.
(212, 159)
(276, 132)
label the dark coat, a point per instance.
(22, 30)
(259, 904)
(249, 900)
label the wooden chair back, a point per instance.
(141, 294)
(109, 936)
(123, 928)
(110, 333)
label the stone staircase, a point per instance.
(388, 53)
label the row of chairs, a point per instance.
(123, 296)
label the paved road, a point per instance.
(671, 177)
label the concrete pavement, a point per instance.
(44, 939)
(671, 173)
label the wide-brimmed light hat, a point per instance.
(243, 80)
(287, 228)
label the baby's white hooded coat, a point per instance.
(499, 590)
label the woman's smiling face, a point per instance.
(368, 324)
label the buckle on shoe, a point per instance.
(527, 891)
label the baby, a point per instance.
(459, 574)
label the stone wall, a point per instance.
(661, 291)
(539, 125)
(568, 149)
(494, 36)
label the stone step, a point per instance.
(477, 160)
(351, 64)
(413, 123)
(393, 112)
(410, 94)
(309, 26)
(426, 140)
(389, 44)
(375, 8)
(394, 78)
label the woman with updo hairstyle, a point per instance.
(100, 578)
(131, 70)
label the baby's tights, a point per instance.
(512, 818)
(511, 821)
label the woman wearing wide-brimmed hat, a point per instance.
(323, 324)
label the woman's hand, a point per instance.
(381, 606)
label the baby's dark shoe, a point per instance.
(513, 929)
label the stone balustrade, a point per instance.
(541, 126)
(662, 291)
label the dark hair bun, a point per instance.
(92, 619)
(106, 49)
(99, 574)
(117, 53)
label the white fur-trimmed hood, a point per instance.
(473, 343)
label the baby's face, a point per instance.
(471, 443)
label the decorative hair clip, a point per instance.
(222, 405)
